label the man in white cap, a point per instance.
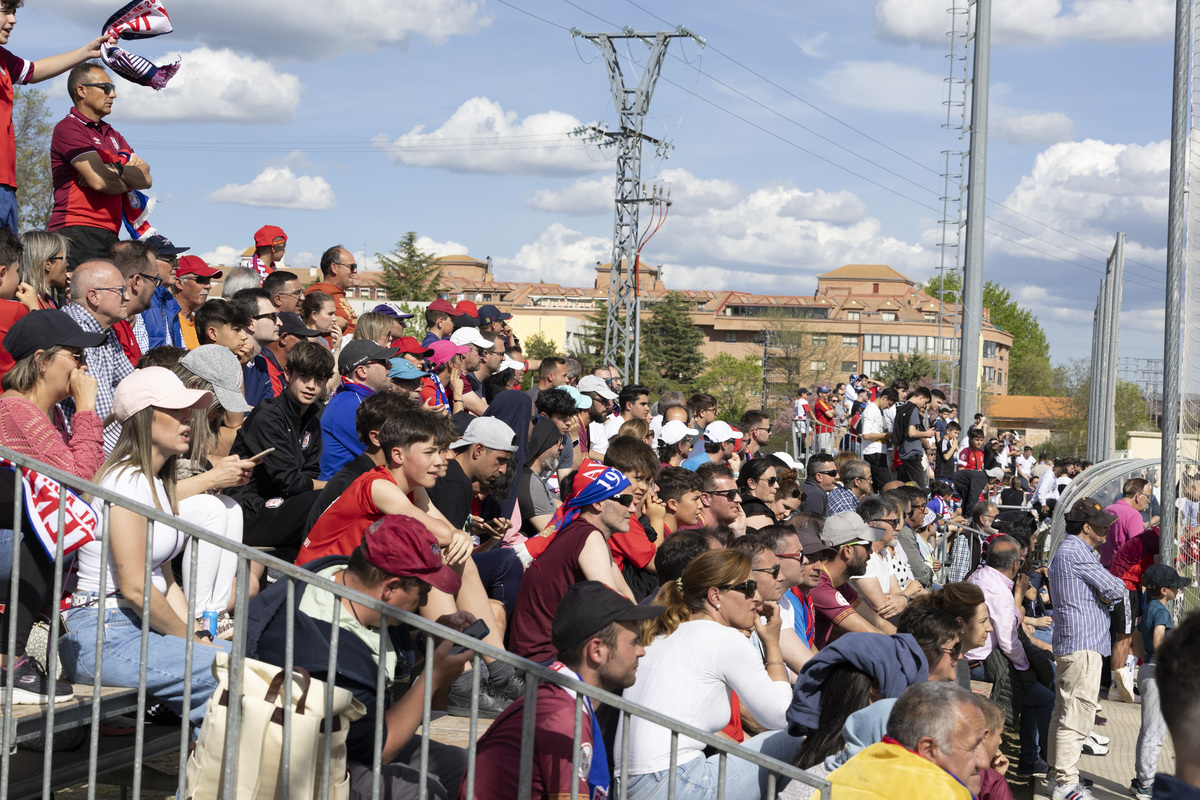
(595, 444)
(720, 444)
(469, 337)
(480, 457)
(674, 442)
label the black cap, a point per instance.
(589, 607)
(489, 314)
(292, 323)
(46, 328)
(1162, 576)
(162, 245)
(361, 351)
(1088, 510)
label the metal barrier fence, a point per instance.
(11, 735)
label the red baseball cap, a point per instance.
(268, 234)
(194, 265)
(467, 307)
(444, 306)
(403, 547)
(408, 344)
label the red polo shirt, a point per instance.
(75, 204)
(12, 70)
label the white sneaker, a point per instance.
(1075, 792)
(1100, 739)
(1122, 681)
(1091, 748)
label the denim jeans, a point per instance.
(698, 779)
(163, 672)
(6, 559)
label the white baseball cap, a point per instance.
(592, 383)
(471, 336)
(720, 431)
(674, 432)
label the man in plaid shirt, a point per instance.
(1084, 591)
(98, 300)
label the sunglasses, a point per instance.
(772, 481)
(199, 279)
(153, 278)
(772, 571)
(794, 556)
(273, 316)
(107, 87)
(728, 494)
(955, 652)
(352, 265)
(624, 499)
(747, 588)
(830, 472)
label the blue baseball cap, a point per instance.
(576, 395)
(405, 370)
(389, 310)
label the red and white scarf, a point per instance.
(139, 19)
(41, 511)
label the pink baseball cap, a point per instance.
(157, 387)
(444, 350)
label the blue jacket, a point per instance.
(339, 436)
(162, 319)
(1168, 787)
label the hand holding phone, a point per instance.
(477, 629)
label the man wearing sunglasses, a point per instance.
(264, 328)
(339, 271)
(837, 607)
(821, 477)
(136, 262)
(92, 167)
(193, 281)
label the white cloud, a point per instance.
(223, 256)
(558, 255)
(1034, 22)
(307, 29)
(820, 205)
(595, 195)
(447, 248)
(1040, 129)
(884, 86)
(482, 137)
(215, 86)
(811, 46)
(1091, 190)
(279, 187)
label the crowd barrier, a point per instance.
(75, 715)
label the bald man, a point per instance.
(98, 301)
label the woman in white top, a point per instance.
(155, 410)
(697, 654)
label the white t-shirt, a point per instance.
(687, 676)
(1024, 465)
(800, 410)
(872, 422)
(879, 568)
(597, 438)
(166, 541)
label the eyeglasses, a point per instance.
(79, 358)
(728, 494)
(624, 499)
(955, 652)
(199, 279)
(748, 588)
(772, 571)
(121, 290)
(108, 88)
(760, 430)
(273, 316)
(918, 508)
(154, 278)
(296, 294)
(352, 265)
(483, 353)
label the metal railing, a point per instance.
(293, 575)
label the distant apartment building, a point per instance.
(860, 317)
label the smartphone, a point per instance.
(477, 629)
(262, 455)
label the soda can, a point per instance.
(210, 622)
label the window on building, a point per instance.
(989, 374)
(888, 316)
(989, 349)
(930, 316)
(730, 337)
(874, 288)
(999, 378)
(854, 316)
(820, 339)
(849, 341)
(817, 366)
(849, 366)
(871, 367)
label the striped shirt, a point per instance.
(1077, 581)
(107, 364)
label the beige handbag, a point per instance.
(260, 741)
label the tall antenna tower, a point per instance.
(951, 222)
(621, 345)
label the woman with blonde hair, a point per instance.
(638, 429)
(43, 267)
(155, 412)
(697, 652)
(374, 327)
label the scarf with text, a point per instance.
(41, 498)
(138, 19)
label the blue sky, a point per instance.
(806, 135)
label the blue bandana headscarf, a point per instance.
(593, 482)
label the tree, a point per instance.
(734, 383)
(410, 273)
(911, 368)
(798, 354)
(537, 347)
(1072, 381)
(33, 129)
(1029, 369)
(670, 355)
